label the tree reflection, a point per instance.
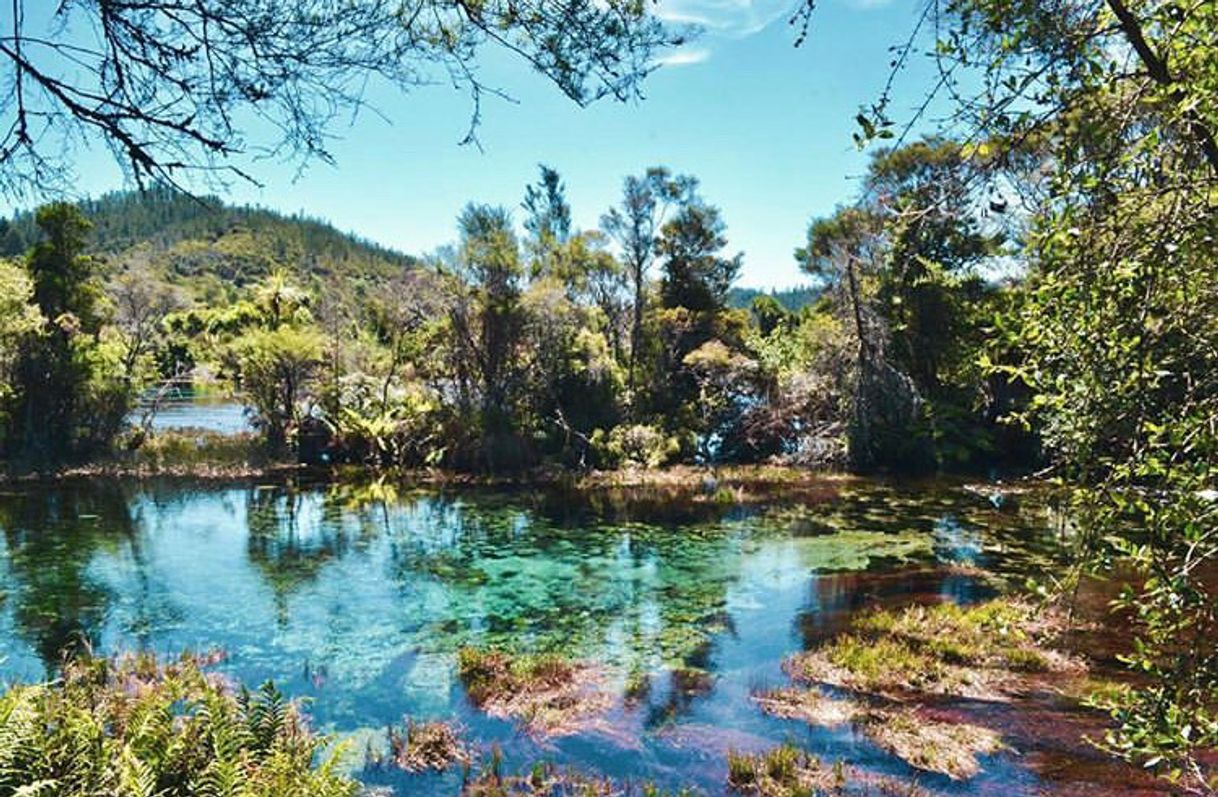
(53, 535)
(293, 534)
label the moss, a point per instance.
(947, 748)
(1003, 633)
(550, 695)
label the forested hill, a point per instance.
(206, 245)
(792, 299)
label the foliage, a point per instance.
(19, 318)
(255, 78)
(1100, 117)
(574, 348)
(905, 272)
(636, 445)
(71, 385)
(136, 727)
(277, 366)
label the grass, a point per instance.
(423, 746)
(977, 651)
(785, 771)
(985, 651)
(550, 695)
(546, 780)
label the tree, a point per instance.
(635, 226)
(1103, 113)
(696, 276)
(905, 268)
(277, 368)
(141, 304)
(486, 322)
(67, 399)
(549, 217)
(19, 318)
(193, 85)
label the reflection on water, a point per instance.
(358, 598)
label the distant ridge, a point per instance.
(199, 240)
(793, 299)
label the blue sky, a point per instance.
(765, 127)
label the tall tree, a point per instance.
(696, 276)
(635, 226)
(50, 419)
(488, 327)
(549, 214)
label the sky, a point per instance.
(766, 128)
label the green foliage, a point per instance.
(71, 385)
(904, 274)
(276, 367)
(136, 727)
(636, 445)
(1110, 107)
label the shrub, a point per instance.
(138, 728)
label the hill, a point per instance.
(793, 299)
(211, 248)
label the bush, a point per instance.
(636, 445)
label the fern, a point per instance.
(136, 728)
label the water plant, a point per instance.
(785, 771)
(421, 746)
(977, 651)
(544, 779)
(137, 727)
(550, 695)
(948, 748)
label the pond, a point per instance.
(357, 599)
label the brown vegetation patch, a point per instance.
(423, 746)
(808, 705)
(546, 780)
(787, 771)
(985, 651)
(548, 694)
(948, 748)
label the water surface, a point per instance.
(357, 599)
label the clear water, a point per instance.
(356, 598)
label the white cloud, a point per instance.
(734, 18)
(684, 57)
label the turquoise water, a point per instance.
(356, 599)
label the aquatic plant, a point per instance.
(139, 728)
(550, 695)
(421, 746)
(949, 748)
(785, 771)
(809, 705)
(546, 780)
(977, 651)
